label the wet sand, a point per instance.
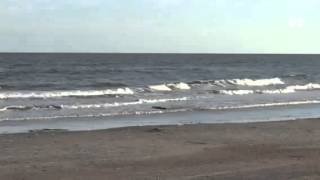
(270, 150)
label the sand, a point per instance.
(269, 151)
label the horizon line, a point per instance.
(175, 53)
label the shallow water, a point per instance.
(282, 113)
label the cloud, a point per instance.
(296, 22)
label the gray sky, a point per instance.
(182, 26)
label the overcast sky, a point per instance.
(191, 26)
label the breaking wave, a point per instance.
(227, 87)
(170, 87)
(221, 83)
(259, 82)
(75, 93)
(241, 82)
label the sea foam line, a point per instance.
(87, 106)
(118, 104)
(124, 113)
(267, 105)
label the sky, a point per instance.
(160, 26)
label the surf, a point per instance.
(71, 93)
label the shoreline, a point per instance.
(164, 126)
(251, 115)
(259, 150)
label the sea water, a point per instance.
(49, 88)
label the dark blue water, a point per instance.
(53, 86)
(96, 71)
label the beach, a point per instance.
(262, 150)
(159, 90)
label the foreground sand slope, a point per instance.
(277, 150)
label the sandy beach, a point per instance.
(271, 150)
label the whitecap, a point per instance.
(161, 87)
(258, 82)
(180, 85)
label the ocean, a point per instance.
(47, 88)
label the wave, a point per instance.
(288, 89)
(74, 93)
(161, 87)
(290, 103)
(241, 82)
(170, 87)
(258, 82)
(227, 87)
(180, 85)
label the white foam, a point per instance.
(287, 90)
(180, 85)
(161, 87)
(236, 92)
(118, 104)
(277, 91)
(309, 86)
(258, 82)
(246, 92)
(293, 89)
(54, 94)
